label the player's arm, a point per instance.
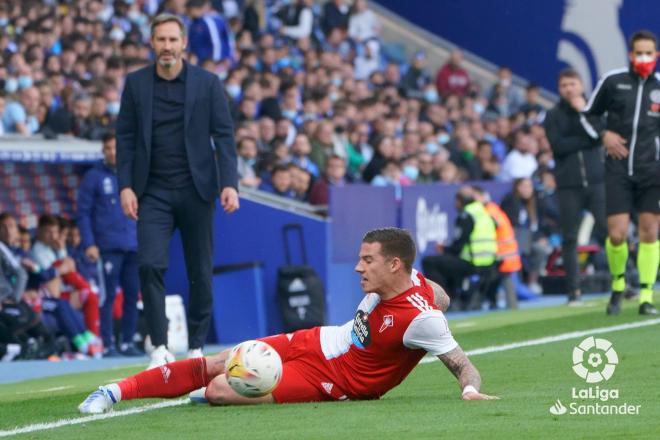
(441, 299)
(468, 377)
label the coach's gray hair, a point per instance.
(168, 18)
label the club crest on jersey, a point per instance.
(361, 334)
(388, 321)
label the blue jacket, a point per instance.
(100, 218)
(209, 38)
(209, 135)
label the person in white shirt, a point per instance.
(363, 23)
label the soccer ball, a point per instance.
(253, 368)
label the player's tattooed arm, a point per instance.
(460, 366)
(441, 298)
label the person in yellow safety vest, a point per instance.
(472, 251)
(508, 255)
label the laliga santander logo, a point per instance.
(600, 359)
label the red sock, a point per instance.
(171, 380)
(92, 314)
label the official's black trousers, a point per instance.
(448, 271)
(572, 202)
(162, 210)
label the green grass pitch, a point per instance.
(529, 381)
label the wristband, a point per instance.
(469, 389)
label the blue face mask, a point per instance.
(233, 90)
(478, 107)
(11, 85)
(24, 82)
(222, 75)
(432, 148)
(4, 21)
(431, 95)
(251, 162)
(411, 172)
(290, 114)
(113, 108)
(443, 138)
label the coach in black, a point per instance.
(175, 153)
(579, 171)
(631, 98)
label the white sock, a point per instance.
(13, 350)
(115, 390)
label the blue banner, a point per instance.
(538, 38)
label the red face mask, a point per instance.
(644, 65)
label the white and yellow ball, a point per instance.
(253, 368)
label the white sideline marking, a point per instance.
(47, 390)
(426, 360)
(550, 339)
(79, 420)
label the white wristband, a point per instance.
(469, 389)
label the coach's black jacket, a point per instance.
(576, 146)
(632, 104)
(208, 132)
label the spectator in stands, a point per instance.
(531, 107)
(2, 113)
(21, 116)
(391, 175)
(488, 163)
(521, 206)
(334, 175)
(208, 34)
(107, 234)
(452, 78)
(301, 182)
(82, 112)
(247, 161)
(504, 91)
(426, 172)
(335, 15)
(521, 161)
(300, 151)
(297, 19)
(384, 150)
(280, 182)
(362, 23)
(358, 150)
(416, 78)
(323, 144)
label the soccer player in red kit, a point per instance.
(398, 322)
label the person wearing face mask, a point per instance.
(631, 99)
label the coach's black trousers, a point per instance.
(162, 210)
(572, 202)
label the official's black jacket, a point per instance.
(576, 146)
(632, 104)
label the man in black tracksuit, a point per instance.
(579, 170)
(631, 99)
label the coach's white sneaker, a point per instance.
(160, 356)
(101, 400)
(195, 353)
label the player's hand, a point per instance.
(578, 103)
(129, 203)
(479, 396)
(229, 199)
(92, 253)
(615, 145)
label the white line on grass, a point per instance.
(47, 390)
(550, 339)
(77, 421)
(485, 350)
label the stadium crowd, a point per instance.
(316, 100)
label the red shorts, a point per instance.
(305, 372)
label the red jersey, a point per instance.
(373, 353)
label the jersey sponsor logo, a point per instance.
(388, 321)
(420, 302)
(327, 386)
(655, 96)
(361, 334)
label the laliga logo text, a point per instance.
(594, 360)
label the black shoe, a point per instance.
(111, 352)
(614, 306)
(647, 308)
(130, 350)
